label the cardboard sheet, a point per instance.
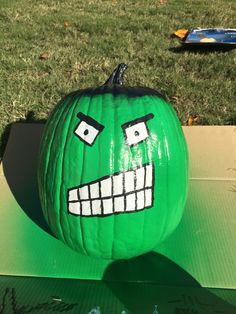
(204, 243)
(201, 252)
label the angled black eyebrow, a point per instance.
(141, 119)
(90, 121)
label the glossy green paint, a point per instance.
(67, 162)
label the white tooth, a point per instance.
(118, 184)
(94, 190)
(86, 208)
(96, 207)
(140, 200)
(129, 181)
(83, 193)
(140, 178)
(74, 208)
(119, 204)
(148, 197)
(148, 176)
(73, 195)
(106, 187)
(107, 206)
(130, 202)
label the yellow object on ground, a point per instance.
(181, 33)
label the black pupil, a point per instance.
(136, 133)
(86, 132)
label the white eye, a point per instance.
(136, 133)
(88, 129)
(86, 132)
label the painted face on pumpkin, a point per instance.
(122, 192)
(106, 152)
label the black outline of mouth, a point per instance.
(124, 194)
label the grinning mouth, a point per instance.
(123, 192)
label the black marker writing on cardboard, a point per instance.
(9, 305)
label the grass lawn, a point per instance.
(82, 41)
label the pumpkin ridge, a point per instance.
(158, 105)
(175, 126)
(65, 110)
(167, 158)
(72, 109)
(146, 147)
(66, 106)
(48, 153)
(167, 183)
(82, 179)
(143, 214)
(99, 156)
(42, 148)
(113, 162)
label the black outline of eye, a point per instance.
(90, 121)
(136, 121)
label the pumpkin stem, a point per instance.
(117, 75)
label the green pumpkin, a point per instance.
(113, 170)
